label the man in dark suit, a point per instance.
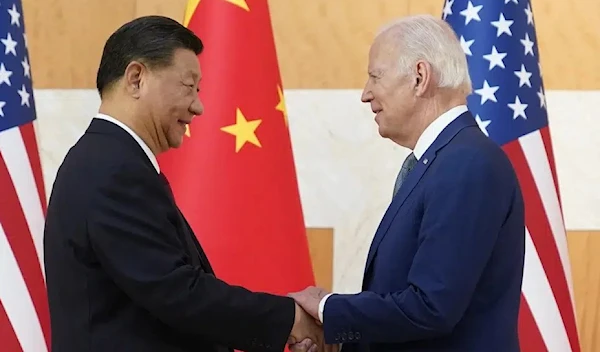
(124, 270)
(445, 266)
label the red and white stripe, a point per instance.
(24, 316)
(547, 321)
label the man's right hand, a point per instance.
(307, 334)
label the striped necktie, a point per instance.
(407, 166)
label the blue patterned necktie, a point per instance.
(408, 165)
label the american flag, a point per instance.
(24, 317)
(499, 41)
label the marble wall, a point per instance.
(346, 170)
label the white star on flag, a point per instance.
(542, 97)
(495, 58)
(26, 67)
(24, 96)
(14, 16)
(471, 13)
(487, 92)
(483, 124)
(529, 14)
(9, 45)
(503, 25)
(527, 44)
(524, 76)
(518, 108)
(4, 75)
(448, 8)
(466, 45)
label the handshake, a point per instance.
(307, 332)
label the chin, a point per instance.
(175, 142)
(383, 132)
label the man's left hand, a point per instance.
(309, 299)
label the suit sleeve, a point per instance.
(137, 245)
(464, 210)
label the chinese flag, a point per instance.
(234, 176)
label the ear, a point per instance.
(134, 73)
(423, 77)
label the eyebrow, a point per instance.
(195, 76)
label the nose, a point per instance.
(366, 96)
(197, 108)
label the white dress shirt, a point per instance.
(423, 143)
(137, 138)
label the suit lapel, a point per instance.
(407, 186)
(413, 178)
(189, 238)
(203, 258)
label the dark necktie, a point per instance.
(188, 234)
(407, 166)
(163, 178)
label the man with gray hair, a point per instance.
(445, 266)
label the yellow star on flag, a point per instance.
(193, 4)
(281, 105)
(243, 130)
(187, 131)
(240, 3)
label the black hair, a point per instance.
(149, 39)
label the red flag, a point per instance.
(234, 176)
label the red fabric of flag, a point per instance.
(234, 176)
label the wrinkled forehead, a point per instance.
(185, 62)
(382, 54)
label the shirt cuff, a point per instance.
(322, 306)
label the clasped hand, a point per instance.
(307, 332)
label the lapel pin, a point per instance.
(425, 161)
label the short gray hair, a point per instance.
(424, 37)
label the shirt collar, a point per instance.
(137, 138)
(435, 128)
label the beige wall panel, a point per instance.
(66, 37)
(584, 247)
(320, 43)
(174, 9)
(432, 7)
(320, 244)
(569, 41)
(324, 43)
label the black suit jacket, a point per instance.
(125, 271)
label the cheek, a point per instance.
(174, 106)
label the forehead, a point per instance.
(381, 54)
(186, 63)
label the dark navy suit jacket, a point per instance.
(125, 271)
(445, 266)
